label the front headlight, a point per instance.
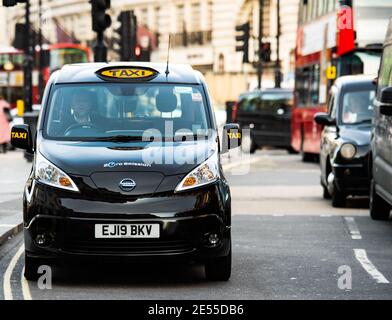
(348, 151)
(47, 173)
(205, 173)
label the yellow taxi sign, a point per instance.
(331, 72)
(127, 73)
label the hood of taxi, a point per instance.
(361, 135)
(88, 158)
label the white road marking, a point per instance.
(241, 162)
(352, 227)
(7, 225)
(325, 215)
(361, 256)
(8, 273)
(25, 287)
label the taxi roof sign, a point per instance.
(125, 73)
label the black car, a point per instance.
(381, 184)
(267, 113)
(345, 140)
(127, 167)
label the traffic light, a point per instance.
(142, 54)
(20, 38)
(11, 3)
(266, 52)
(243, 40)
(100, 19)
(126, 40)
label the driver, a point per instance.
(355, 109)
(81, 106)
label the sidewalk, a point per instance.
(14, 170)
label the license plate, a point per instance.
(127, 230)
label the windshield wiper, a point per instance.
(119, 138)
(366, 121)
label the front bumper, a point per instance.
(67, 222)
(352, 179)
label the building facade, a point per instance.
(202, 33)
(4, 39)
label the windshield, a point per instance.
(358, 107)
(60, 57)
(366, 63)
(127, 111)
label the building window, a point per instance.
(156, 18)
(209, 17)
(144, 17)
(195, 17)
(180, 17)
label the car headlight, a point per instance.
(47, 173)
(348, 151)
(205, 173)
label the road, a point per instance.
(288, 243)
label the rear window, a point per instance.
(265, 102)
(79, 112)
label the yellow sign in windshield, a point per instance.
(127, 73)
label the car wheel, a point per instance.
(338, 199)
(31, 268)
(291, 150)
(307, 157)
(326, 194)
(379, 208)
(219, 269)
(248, 144)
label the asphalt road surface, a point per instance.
(288, 243)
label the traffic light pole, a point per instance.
(28, 64)
(278, 74)
(41, 84)
(260, 44)
(100, 50)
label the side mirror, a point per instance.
(232, 137)
(21, 137)
(386, 101)
(324, 119)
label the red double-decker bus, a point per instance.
(11, 67)
(334, 38)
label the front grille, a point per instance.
(128, 246)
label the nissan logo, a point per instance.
(127, 185)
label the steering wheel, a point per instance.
(80, 126)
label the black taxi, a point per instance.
(345, 140)
(127, 167)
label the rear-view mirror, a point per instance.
(386, 101)
(231, 138)
(21, 137)
(324, 119)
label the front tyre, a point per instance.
(31, 268)
(326, 194)
(219, 269)
(338, 197)
(379, 208)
